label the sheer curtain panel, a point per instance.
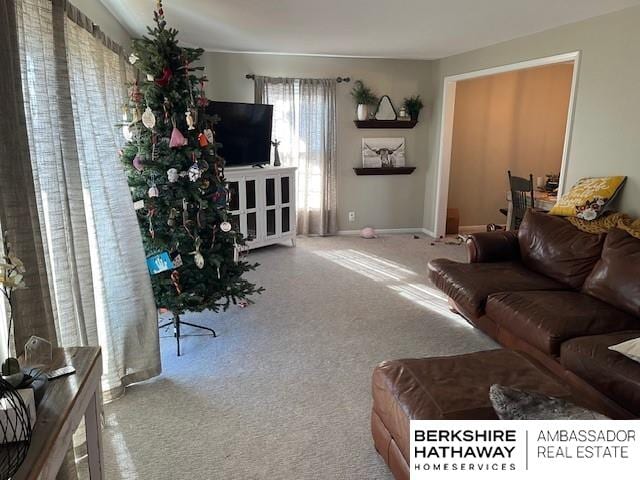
(304, 121)
(99, 285)
(18, 210)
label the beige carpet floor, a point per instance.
(284, 392)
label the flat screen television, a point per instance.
(244, 131)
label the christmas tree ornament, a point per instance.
(189, 119)
(204, 185)
(197, 256)
(133, 58)
(225, 227)
(135, 95)
(148, 118)
(177, 139)
(171, 221)
(150, 77)
(175, 280)
(172, 175)
(137, 162)
(127, 133)
(202, 140)
(208, 133)
(202, 98)
(164, 79)
(150, 214)
(136, 116)
(177, 261)
(194, 172)
(153, 191)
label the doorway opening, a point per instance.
(515, 117)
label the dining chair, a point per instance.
(521, 198)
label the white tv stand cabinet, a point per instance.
(263, 203)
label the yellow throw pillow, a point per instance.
(588, 198)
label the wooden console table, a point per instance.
(65, 402)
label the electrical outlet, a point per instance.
(352, 217)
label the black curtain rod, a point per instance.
(251, 76)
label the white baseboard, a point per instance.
(429, 232)
(386, 231)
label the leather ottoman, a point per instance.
(445, 388)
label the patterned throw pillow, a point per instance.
(514, 404)
(588, 198)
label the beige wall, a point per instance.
(380, 201)
(606, 130)
(511, 121)
(98, 13)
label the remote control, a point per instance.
(61, 372)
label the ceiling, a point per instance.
(424, 29)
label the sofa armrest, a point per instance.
(498, 246)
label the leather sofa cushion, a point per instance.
(553, 247)
(616, 277)
(546, 319)
(450, 388)
(469, 284)
(610, 372)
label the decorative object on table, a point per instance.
(383, 152)
(589, 198)
(37, 351)
(174, 149)
(413, 105)
(17, 417)
(552, 182)
(513, 404)
(276, 155)
(403, 114)
(630, 349)
(368, 233)
(364, 98)
(12, 272)
(385, 109)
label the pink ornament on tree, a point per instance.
(177, 139)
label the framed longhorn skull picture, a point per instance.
(383, 152)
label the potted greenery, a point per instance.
(11, 279)
(364, 97)
(413, 105)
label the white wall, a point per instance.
(380, 201)
(606, 131)
(98, 13)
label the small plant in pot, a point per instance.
(413, 105)
(363, 97)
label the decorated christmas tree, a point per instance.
(176, 178)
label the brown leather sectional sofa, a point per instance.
(556, 297)
(560, 295)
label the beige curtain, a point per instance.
(18, 210)
(99, 286)
(304, 121)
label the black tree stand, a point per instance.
(176, 322)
